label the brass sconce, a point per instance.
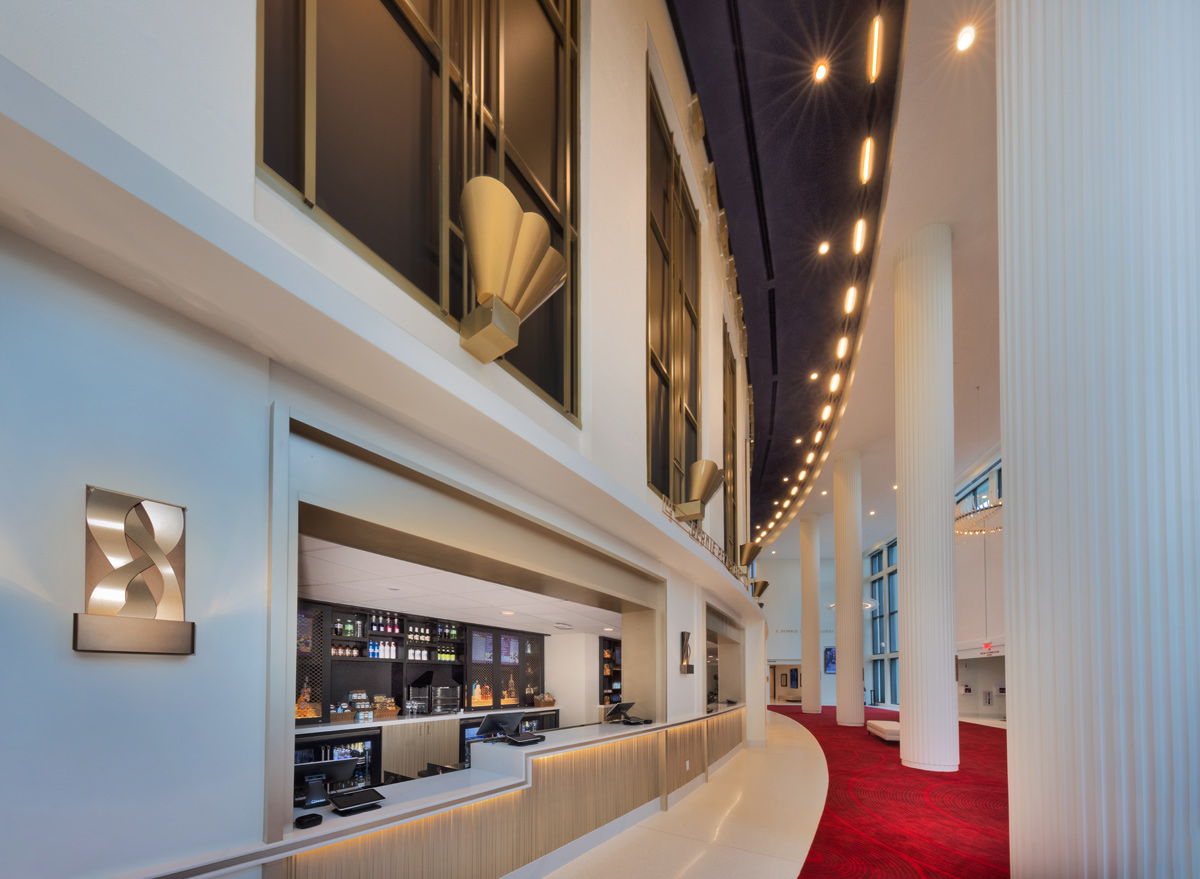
(758, 587)
(514, 268)
(703, 479)
(749, 553)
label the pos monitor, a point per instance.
(313, 778)
(620, 711)
(500, 724)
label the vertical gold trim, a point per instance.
(260, 72)
(310, 101)
(444, 65)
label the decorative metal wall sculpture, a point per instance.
(514, 268)
(685, 654)
(133, 577)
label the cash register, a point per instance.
(619, 713)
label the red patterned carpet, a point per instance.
(885, 820)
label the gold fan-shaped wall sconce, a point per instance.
(514, 268)
(703, 479)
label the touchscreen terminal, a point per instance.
(354, 799)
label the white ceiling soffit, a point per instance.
(339, 574)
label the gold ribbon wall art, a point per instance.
(133, 577)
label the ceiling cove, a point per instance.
(798, 100)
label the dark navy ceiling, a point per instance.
(787, 151)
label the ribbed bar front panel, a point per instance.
(848, 568)
(1099, 136)
(810, 614)
(924, 328)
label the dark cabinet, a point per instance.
(610, 671)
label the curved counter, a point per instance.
(513, 806)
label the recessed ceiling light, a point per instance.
(835, 382)
(894, 487)
(508, 613)
(813, 377)
(795, 488)
(860, 235)
(966, 37)
(776, 503)
(799, 440)
(786, 504)
(826, 412)
(824, 248)
(817, 438)
(872, 513)
(820, 71)
(772, 552)
(843, 346)
(779, 515)
(803, 473)
(865, 169)
(563, 626)
(851, 299)
(811, 457)
(873, 57)
(608, 628)
(824, 493)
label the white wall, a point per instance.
(177, 80)
(979, 587)
(573, 676)
(145, 758)
(782, 605)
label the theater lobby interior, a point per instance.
(576, 439)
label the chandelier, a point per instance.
(971, 519)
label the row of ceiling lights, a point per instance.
(866, 165)
(966, 37)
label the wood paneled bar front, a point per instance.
(516, 805)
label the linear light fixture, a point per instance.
(860, 235)
(851, 299)
(865, 170)
(876, 40)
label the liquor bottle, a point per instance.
(358, 628)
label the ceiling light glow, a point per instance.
(787, 504)
(872, 513)
(876, 40)
(835, 382)
(803, 473)
(860, 235)
(826, 412)
(865, 169)
(824, 493)
(799, 440)
(966, 37)
(508, 613)
(795, 488)
(824, 248)
(820, 71)
(851, 299)
(894, 487)
(843, 347)
(813, 377)
(779, 515)
(811, 457)
(817, 438)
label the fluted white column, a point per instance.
(848, 574)
(810, 613)
(925, 501)
(1099, 133)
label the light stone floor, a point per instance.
(756, 816)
